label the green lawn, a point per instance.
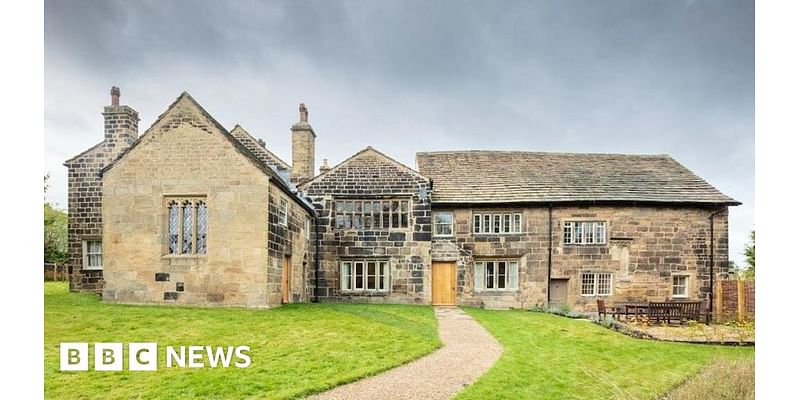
(295, 350)
(551, 357)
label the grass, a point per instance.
(721, 380)
(552, 357)
(295, 350)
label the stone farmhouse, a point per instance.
(192, 213)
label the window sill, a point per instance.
(365, 291)
(498, 234)
(596, 295)
(499, 291)
(585, 244)
(92, 268)
(186, 256)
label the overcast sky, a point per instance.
(652, 77)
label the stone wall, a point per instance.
(370, 175)
(84, 192)
(645, 246)
(185, 155)
(292, 240)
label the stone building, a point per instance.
(190, 213)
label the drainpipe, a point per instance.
(711, 269)
(549, 248)
(316, 259)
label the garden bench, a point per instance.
(673, 311)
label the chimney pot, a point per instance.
(324, 167)
(303, 113)
(262, 142)
(115, 95)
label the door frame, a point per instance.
(286, 280)
(453, 282)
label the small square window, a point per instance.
(443, 223)
(92, 254)
(680, 286)
(283, 212)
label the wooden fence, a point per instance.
(55, 272)
(735, 300)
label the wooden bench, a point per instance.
(679, 311)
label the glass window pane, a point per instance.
(577, 231)
(588, 228)
(476, 223)
(513, 274)
(202, 227)
(601, 232)
(172, 240)
(487, 223)
(587, 284)
(359, 275)
(497, 223)
(490, 275)
(501, 274)
(347, 276)
(479, 275)
(506, 223)
(382, 274)
(371, 276)
(187, 227)
(517, 223)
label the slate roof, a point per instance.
(477, 177)
(257, 148)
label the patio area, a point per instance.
(674, 322)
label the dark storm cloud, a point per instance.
(612, 76)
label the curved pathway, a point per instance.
(468, 351)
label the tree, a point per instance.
(750, 255)
(55, 231)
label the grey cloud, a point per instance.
(637, 76)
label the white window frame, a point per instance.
(481, 275)
(583, 233)
(495, 223)
(596, 284)
(348, 281)
(451, 224)
(283, 212)
(685, 295)
(86, 254)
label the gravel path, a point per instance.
(467, 353)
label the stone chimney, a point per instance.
(121, 125)
(324, 167)
(303, 138)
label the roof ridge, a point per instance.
(246, 132)
(659, 155)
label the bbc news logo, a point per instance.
(144, 356)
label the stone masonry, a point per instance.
(85, 188)
(371, 175)
(187, 154)
(645, 246)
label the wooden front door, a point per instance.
(558, 291)
(286, 279)
(443, 283)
